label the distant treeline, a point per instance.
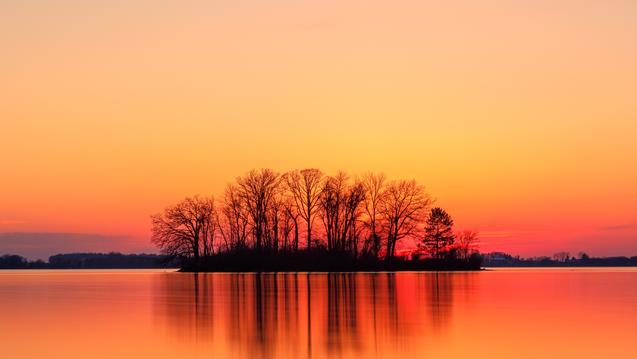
(89, 261)
(561, 259)
(308, 214)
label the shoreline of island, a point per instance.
(322, 261)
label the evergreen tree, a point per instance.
(438, 232)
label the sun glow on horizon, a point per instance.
(518, 117)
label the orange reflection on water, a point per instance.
(308, 315)
(491, 314)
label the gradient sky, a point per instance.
(520, 117)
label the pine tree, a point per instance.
(438, 232)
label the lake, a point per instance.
(503, 313)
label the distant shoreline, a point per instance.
(560, 260)
(111, 260)
(302, 262)
(563, 266)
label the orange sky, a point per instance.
(519, 116)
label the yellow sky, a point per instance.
(519, 116)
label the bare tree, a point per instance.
(331, 200)
(353, 202)
(209, 226)
(287, 226)
(276, 218)
(305, 186)
(402, 207)
(340, 211)
(467, 241)
(186, 229)
(257, 189)
(561, 256)
(292, 221)
(235, 221)
(374, 185)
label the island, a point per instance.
(304, 220)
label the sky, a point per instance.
(519, 117)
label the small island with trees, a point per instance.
(304, 220)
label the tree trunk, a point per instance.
(309, 233)
(296, 235)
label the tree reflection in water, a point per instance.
(302, 315)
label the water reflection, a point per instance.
(301, 315)
(526, 314)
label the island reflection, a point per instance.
(301, 315)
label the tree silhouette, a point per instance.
(340, 212)
(305, 186)
(466, 241)
(257, 189)
(259, 217)
(291, 221)
(438, 232)
(374, 185)
(561, 256)
(402, 207)
(234, 220)
(186, 229)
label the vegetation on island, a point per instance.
(304, 220)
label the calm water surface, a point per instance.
(531, 313)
